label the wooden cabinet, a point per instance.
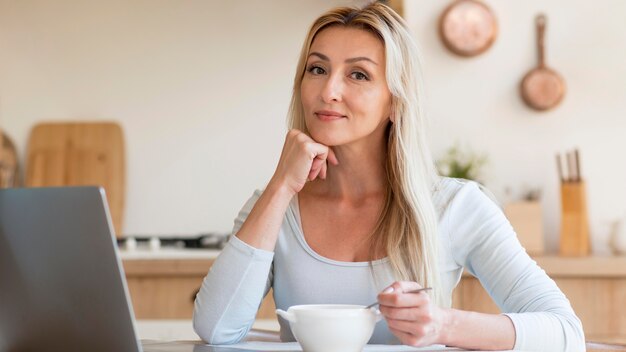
(166, 288)
(596, 287)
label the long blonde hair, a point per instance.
(407, 226)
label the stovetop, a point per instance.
(203, 240)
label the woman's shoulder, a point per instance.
(449, 191)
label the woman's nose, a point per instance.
(333, 89)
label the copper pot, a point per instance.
(542, 88)
(468, 27)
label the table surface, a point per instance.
(197, 346)
(178, 336)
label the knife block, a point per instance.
(574, 220)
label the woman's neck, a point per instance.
(361, 174)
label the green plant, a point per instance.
(461, 163)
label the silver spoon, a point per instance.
(412, 291)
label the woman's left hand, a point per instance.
(412, 317)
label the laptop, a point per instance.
(62, 287)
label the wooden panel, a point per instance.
(79, 154)
(581, 267)
(169, 267)
(163, 297)
(598, 302)
(268, 308)
(166, 289)
(472, 296)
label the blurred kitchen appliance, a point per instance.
(542, 88)
(199, 241)
(79, 154)
(468, 27)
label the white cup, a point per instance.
(331, 327)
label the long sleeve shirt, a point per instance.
(473, 233)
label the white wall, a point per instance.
(477, 101)
(201, 89)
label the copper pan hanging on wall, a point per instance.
(542, 88)
(468, 27)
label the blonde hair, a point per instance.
(407, 226)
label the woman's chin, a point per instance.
(327, 139)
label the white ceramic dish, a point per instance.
(331, 327)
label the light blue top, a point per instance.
(473, 234)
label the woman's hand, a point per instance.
(302, 159)
(412, 317)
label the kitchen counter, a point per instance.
(592, 266)
(182, 329)
(577, 267)
(163, 284)
(165, 253)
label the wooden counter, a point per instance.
(596, 287)
(166, 288)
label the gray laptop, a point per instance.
(62, 287)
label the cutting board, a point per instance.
(80, 154)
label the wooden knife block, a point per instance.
(574, 220)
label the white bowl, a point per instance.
(331, 327)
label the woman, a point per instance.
(355, 211)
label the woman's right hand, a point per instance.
(301, 160)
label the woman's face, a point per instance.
(344, 89)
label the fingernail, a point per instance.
(388, 290)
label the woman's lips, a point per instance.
(329, 115)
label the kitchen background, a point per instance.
(201, 90)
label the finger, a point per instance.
(416, 329)
(317, 163)
(313, 174)
(404, 286)
(404, 300)
(407, 338)
(421, 314)
(316, 167)
(323, 171)
(317, 151)
(395, 296)
(332, 157)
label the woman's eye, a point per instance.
(316, 70)
(359, 76)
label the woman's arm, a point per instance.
(478, 330)
(241, 276)
(538, 317)
(484, 242)
(416, 321)
(231, 293)
(302, 159)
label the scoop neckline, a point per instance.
(296, 224)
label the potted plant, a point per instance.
(461, 163)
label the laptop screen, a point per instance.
(62, 286)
